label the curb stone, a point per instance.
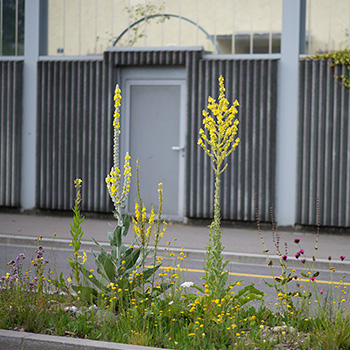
(12, 340)
(194, 254)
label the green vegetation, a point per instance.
(337, 58)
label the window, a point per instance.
(12, 27)
(247, 44)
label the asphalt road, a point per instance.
(192, 268)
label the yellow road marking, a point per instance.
(261, 276)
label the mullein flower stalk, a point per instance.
(218, 140)
(142, 233)
(117, 189)
(158, 232)
(145, 229)
(75, 229)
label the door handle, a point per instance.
(178, 148)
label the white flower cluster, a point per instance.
(187, 285)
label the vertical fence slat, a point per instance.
(11, 82)
(324, 161)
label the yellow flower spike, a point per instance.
(221, 127)
(117, 192)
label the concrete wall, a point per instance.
(88, 27)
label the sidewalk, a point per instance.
(241, 244)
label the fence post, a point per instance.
(31, 56)
(293, 15)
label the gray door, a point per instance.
(154, 106)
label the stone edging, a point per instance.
(12, 340)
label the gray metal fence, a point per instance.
(74, 137)
(11, 78)
(74, 133)
(324, 145)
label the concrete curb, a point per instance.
(12, 340)
(193, 254)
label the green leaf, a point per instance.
(86, 293)
(269, 284)
(130, 259)
(102, 249)
(72, 263)
(286, 280)
(249, 289)
(225, 263)
(114, 253)
(115, 237)
(106, 266)
(62, 281)
(249, 298)
(99, 283)
(126, 224)
(149, 272)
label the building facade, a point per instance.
(293, 112)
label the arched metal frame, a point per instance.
(210, 37)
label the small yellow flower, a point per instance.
(77, 182)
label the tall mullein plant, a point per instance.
(118, 191)
(218, 140)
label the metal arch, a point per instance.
(210, 37)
